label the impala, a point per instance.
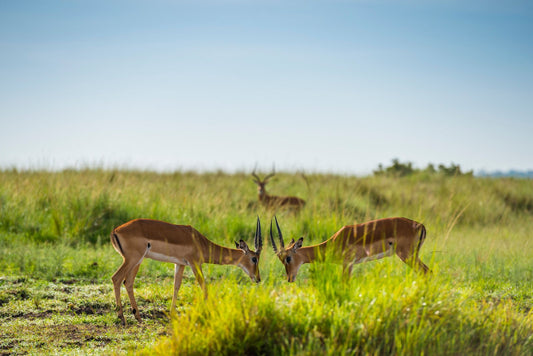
(182, 245)
(273, 201)
(355, 244)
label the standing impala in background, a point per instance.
(354, 244)
(274, 201)
(182, 245)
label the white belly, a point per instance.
(165, 258)
(377, 256)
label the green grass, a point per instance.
(382, 312)
(56, 262)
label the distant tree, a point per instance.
(399, 169)
(430, 169)
(453, 170)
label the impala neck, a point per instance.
(221, 255)
(314, 252)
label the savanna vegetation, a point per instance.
(56, 262)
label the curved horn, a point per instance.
(268, 176)
(272, 239)
(257, 179)
(258, 238)
(282, 245)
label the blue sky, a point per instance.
(330, 86)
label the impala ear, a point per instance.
(243, 246)
(299, 243)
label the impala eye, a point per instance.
(288, 259)
(254, 259)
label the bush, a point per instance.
(398, 169)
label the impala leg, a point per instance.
(197, 270)
(178, 276)
(350, 261)
(118, 278)
(128, 283)
(413, 261)
(422, 266)
(347, 268)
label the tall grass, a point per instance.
(479, 246)
(83, 206)
(381, 312)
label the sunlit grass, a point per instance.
(383, 311)
(54, 240)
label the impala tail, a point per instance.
(116, 243)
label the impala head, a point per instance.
(289, 255)
(250, 261)
(261, 183)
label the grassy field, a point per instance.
(56, 262)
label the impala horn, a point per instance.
(258, 238)
(256, 180)
(268, 176)
(281, 244)
(272, 239)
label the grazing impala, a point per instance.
(274, 201)
(354, 244)
(182, 245)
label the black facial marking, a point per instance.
(254, 259)
(288, 259)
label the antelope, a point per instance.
(354, 244)
(182, 245)
(274, 201)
